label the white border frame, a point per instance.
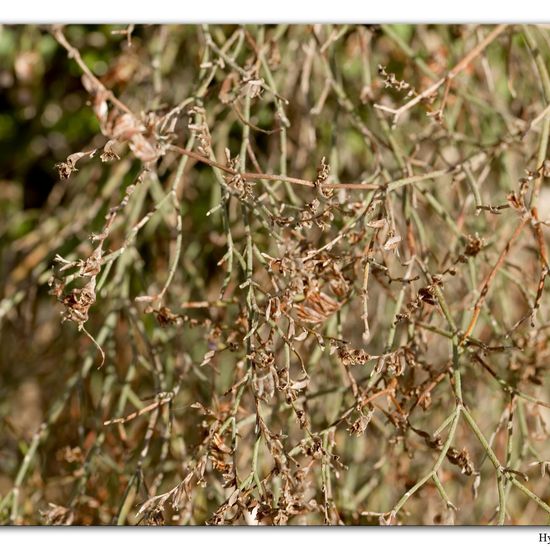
(272, 11)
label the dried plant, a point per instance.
(311, 262)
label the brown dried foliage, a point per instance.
(307, 351)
